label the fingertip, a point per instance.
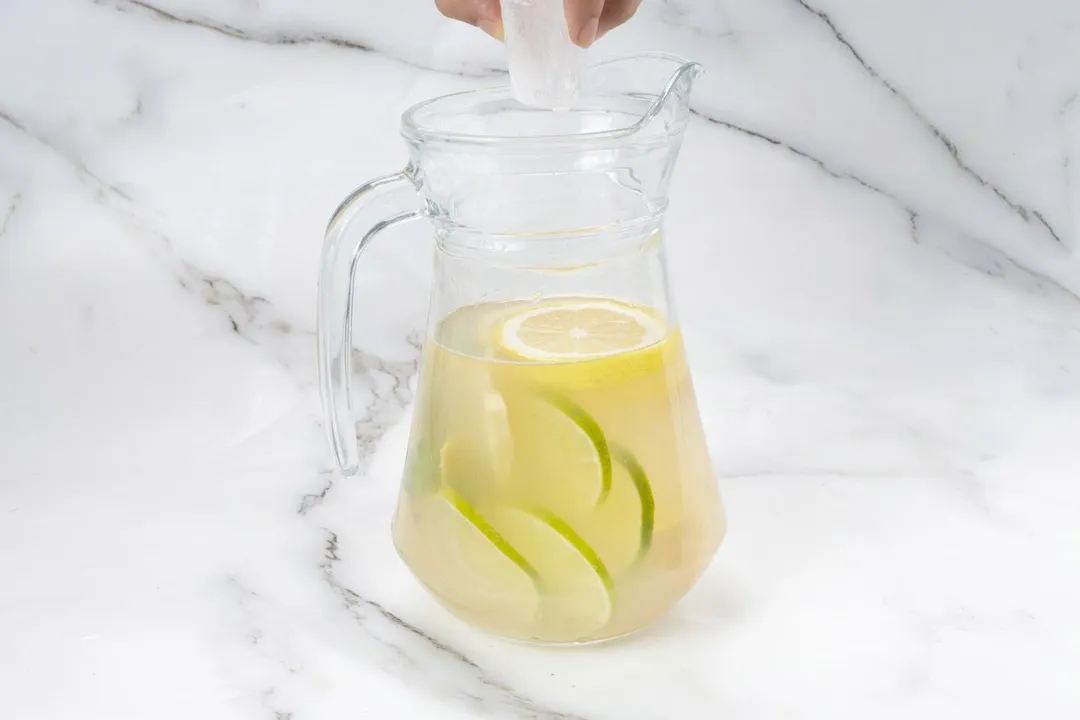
(583, 20)
(616, 12)
(490, 19)
(586, 36)
(494, 28)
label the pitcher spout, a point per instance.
(490, 168)
(663, 80)
(673, 103)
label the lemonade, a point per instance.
(558, 487)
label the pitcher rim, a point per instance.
(413, 131)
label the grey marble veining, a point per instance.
(873, 239)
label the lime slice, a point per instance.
(621, 528)
(637, 474)
(577, 593)
(472, 566)
(561, 458)
(577, 329)
(469, 514)
(590, 429)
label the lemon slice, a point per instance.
(474, 566)
(577, 593)
(567, 330)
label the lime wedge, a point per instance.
(577, 593)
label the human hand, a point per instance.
(586, 20)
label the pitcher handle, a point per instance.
(374, 207)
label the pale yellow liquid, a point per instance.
(486, 432)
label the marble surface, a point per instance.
(874, 235)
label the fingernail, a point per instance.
(587, 34)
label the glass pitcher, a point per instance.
(557, 486)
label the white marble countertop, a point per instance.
(874, 233)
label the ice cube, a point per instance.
(545, 64)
